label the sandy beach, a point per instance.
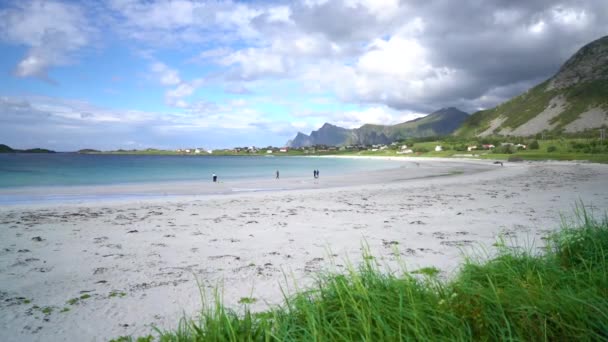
(93, 263)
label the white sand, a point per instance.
(154, 249)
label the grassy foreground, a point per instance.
(559, 295)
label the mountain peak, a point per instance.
(441, 122)
(449, 111)
(589, 63)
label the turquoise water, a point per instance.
(69, 169)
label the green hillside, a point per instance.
(580, 86)
(5, 149)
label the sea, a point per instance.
(73, 169)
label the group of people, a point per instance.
(315, 174)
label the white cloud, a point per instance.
(32, 65)
(51, 30)
(175, 97)
(382, 9)
(215, 53)
(255, 63)
(167, 76)
(570, 17)
(392, 58)
(379, 115)
(279, 14)
(538, 27)
(73, 124)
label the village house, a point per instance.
(471, 148)
(488, 146)
(283, 149)
(438, 148)
(406, 151)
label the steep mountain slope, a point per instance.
(573, 100)
(441, 122)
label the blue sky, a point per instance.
(188, 73)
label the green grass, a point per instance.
(581, 98)
(116, 294)
(247, 300)
(565, 149)
(560, 294)
(76, 300)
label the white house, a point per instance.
(283, 149)
(471, 148)
(209, 151)
(404, 147)
(407, 151)
(187, 150)
(438, 148)
(269, 151)
(197, 151)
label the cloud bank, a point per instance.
(371, 61)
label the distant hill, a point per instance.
(7, 149)
(36, 150)
(441, 122)
(573, 100)
(88, 150)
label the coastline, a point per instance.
(198, 189)
(154, 251)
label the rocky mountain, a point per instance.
(441, 122)
(573, 100)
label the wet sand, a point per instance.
(138, 251)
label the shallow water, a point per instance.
(72, 169)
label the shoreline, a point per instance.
(175, 190)
(139, 261)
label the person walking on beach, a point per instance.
(214, 178)
(317, 173)
(277, 174)
(314, 173)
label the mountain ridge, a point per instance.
(573, 100)
(441, 122)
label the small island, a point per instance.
(8, 149)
